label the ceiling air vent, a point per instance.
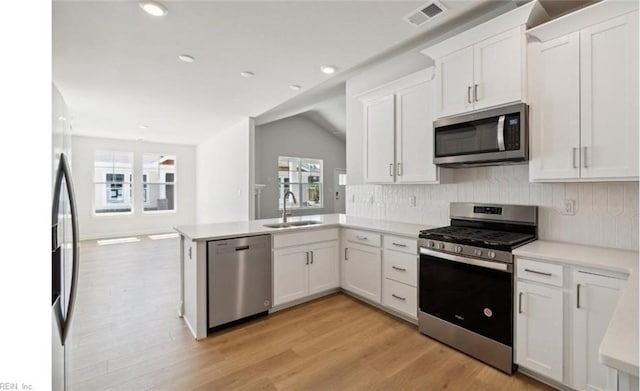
(425, 13)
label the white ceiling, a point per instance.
(117, 66)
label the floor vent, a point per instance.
(425, 13)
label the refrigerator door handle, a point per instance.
(64, 172)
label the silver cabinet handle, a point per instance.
(399, 297)
(573, 157)
(578, 296)
(500, 133)
(361, 237)
(537, 272)
(399, 169)
(469, 95)
(390, 169)
(585, 157)
(307, 254)
(346, 258)
(475, 92)
(312, 257)
(520, 302)
(399, 268)
(399, 244)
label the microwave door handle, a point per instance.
(501, 133)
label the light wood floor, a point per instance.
(127, 336)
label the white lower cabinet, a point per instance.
(562, 314)
(400, 297)
(595, 299)
(539, 316)
(301, 271)
(362, 271)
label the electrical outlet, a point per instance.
(412, 201)
(371, 200)
(568, 207)
(353, 198)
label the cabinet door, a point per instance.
(455, 83)
(498, 69)
(414, 134)
(362, 268)
(609, 98)
(290, 279)
(323, 270)
(595, 299)
(539, 319)
(379, 140)
(555, 109)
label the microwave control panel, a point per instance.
(512, 132)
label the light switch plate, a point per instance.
(568, 207)
(412, 201)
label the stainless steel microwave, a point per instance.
(490, 137)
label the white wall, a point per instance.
(224, 189)
(100, 226)
(606, 213)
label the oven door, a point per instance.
(471, 293)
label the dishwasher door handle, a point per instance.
(242, 248)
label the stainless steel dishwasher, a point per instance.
(238, 278)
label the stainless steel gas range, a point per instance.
(466, 279)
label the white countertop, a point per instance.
(257, 227)
(619, 347)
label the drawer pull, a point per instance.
(537, 272)
(399, 268)
(399, 244)
(361, 237)
(399, 297)
(346, 258)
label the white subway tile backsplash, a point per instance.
(606, 212)
(615, 198)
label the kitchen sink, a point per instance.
(300, 223)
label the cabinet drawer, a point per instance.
(400, 297)
(363, 237)
(305, 237)
(547, 273)
(400, 267)
(398, 243)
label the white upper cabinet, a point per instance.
(499, 69)
(399, 131)
(584, 95)
(609, 98)
(489, 73)
(454, 79)
(379, 139)
(484, 66)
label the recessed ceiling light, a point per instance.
(144, 126)
(186, 58)
(328, 69)
(295, 87)
(153, 7)
(247, 74)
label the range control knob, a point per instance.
(458, 249)
(432, 244)
(478, 252)
(441, 246)
(491, 254)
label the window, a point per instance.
(112, 182)
(303, 177)
(159, 182)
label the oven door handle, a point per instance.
(505, 267)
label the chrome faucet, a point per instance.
(284, 205)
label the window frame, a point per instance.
(146, 182)
(319, 184)
(128, 170)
